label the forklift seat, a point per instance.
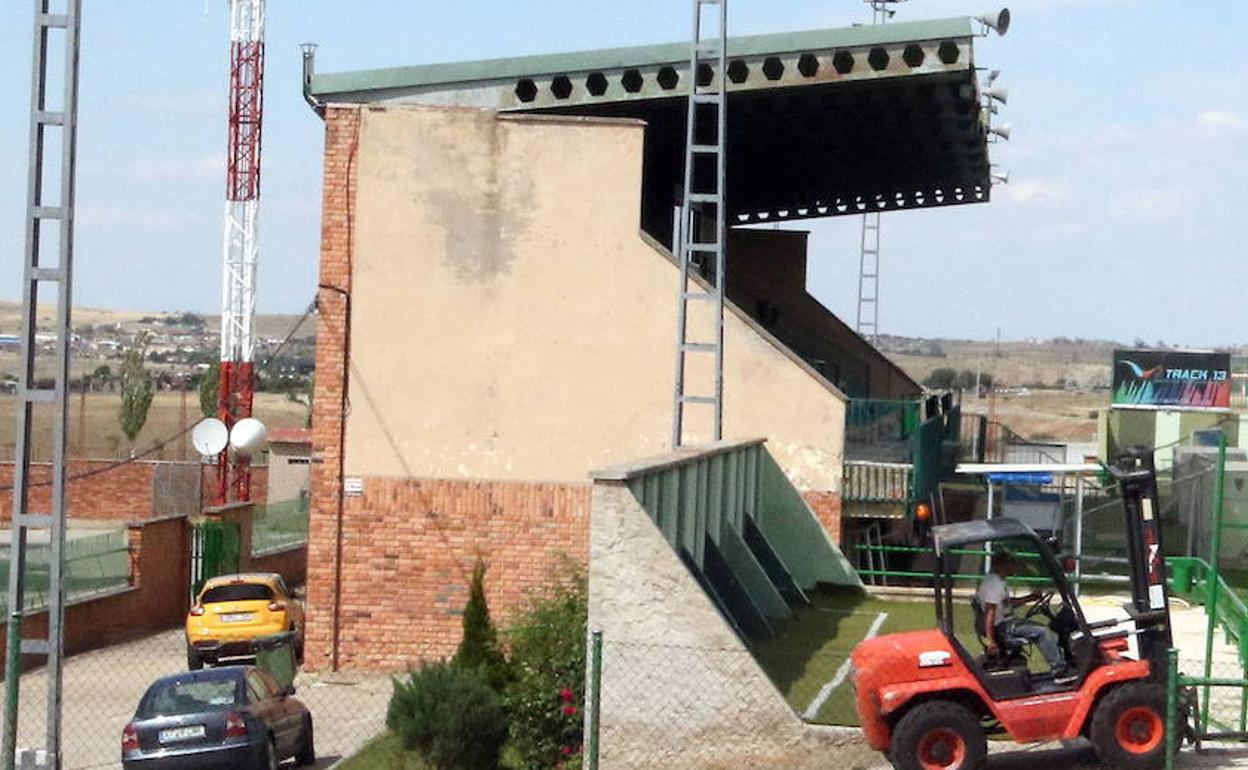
(1008, 650)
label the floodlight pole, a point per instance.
(868, 319)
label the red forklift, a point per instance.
(930, 702)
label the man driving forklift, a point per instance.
(1001, 626)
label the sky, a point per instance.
(1123, 217)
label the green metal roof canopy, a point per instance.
(820, 123)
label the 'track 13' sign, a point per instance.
(1164, 379)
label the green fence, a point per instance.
(279, 525)
(93, 563)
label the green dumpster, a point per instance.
(276, 655)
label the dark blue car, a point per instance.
(230, 717)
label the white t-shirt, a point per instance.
(994, 592)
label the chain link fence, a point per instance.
(102, 689)
(697, 708)
(279, 525)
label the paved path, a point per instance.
(102, 689)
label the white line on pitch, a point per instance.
(825, 692)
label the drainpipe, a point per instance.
(309, 68)
(342, 466)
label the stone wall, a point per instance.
(677, 682)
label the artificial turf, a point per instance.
(812, 647)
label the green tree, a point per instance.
(479, 647)
(941, 378)
(208, 386)
(137, 390)
(102, 376)
(449, 716)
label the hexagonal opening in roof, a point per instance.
(913, 55)
(596, 84)
(808, 65)
(948, 52)
(561, 87)
(632, 81)
(843, 62)
(668, 78)
(706, 75)
(738, 71)
(773, 68)
(526, 90)
(878, 59)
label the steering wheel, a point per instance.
(1041, 605)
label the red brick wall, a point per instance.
(337, 209)
(827, 508)
(110, 491)
(407, 556)
(123, 493)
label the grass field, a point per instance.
(811, 650)
(103, 437)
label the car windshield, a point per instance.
(172, 698)
(237, 592)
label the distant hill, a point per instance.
(276, 325)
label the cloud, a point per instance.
(1221, 121)
(1033, 191)
(205, 167)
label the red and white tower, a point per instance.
(242, 194)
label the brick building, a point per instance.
(498, 298)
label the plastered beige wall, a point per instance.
(510, 322)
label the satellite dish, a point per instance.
(248, 436)
(210, 436)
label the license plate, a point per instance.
(175, 734)
(235, 617)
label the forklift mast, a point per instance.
(1150, 605)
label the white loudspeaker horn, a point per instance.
(999, 21)
(248, 436)
(1000, 94)
(1001, 178)
(993, 75)
(210, 436)
(1001, 131)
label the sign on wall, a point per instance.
(1166, 379)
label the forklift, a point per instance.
(930, 703)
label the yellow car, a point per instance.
(233, 610)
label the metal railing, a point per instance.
(920, 454)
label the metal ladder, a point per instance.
(702, 226)
(58, 276)
(869, 278)
(868, 325)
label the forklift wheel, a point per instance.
(1129, 727)
(938, 735)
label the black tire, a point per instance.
(307, 745)
(1129, 727)
(938, 734)
(193, 661)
